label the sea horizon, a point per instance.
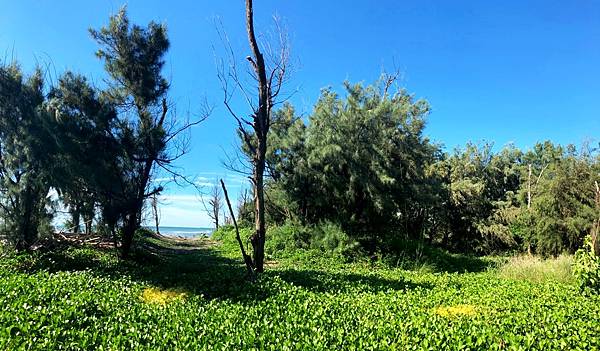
(185, 232)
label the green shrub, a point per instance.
(286, 238)
(142, 232)
(587, 267)
(226, 235)
(326, 237)
(222, 232)
(330, 237)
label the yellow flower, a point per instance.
(454, 311)
(162, 296)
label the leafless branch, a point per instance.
(247, 259)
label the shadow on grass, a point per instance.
(412, 255)
(198, 270)
(443, 261)
(328, 282)
(201, 270)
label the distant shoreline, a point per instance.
(183, 232)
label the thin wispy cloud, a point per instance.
(162, 179)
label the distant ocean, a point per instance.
(184, 232)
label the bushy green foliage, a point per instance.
(361, 162)
(586, 267)
(143, 232)
(287, 238)
(225, 234)
(564, 206)
(133, 57)
(480, 188)
(25, 144)
(84, 299)
(419, 255)
(326, 237)
(83, 170)
(95, 148)
(330, 237)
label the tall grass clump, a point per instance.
(536, 269)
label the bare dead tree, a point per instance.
(388, 79)
(214, 204)
(247, 259)
(243, 199)
(269, 66)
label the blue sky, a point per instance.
(504, 71)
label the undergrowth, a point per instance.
(195, 297)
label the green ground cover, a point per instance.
(193, 295)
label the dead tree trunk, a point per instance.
(247, 259)
(261, 128)
(254, 130)
(213, 209)
(258, 239)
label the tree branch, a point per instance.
(247, 259)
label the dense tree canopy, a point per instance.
(363, 162)
(98, 149)
(24, 146)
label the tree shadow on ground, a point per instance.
(447, 262)
(202, 270)
(199, 270)
(414, 257)
(329, 282)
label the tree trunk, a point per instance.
(216, 215)
(134, 217)
(75, 220)
(261, 129)
(28, 228)
(155, 211)
(129, 228)
(258, 241)
(88, 224)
